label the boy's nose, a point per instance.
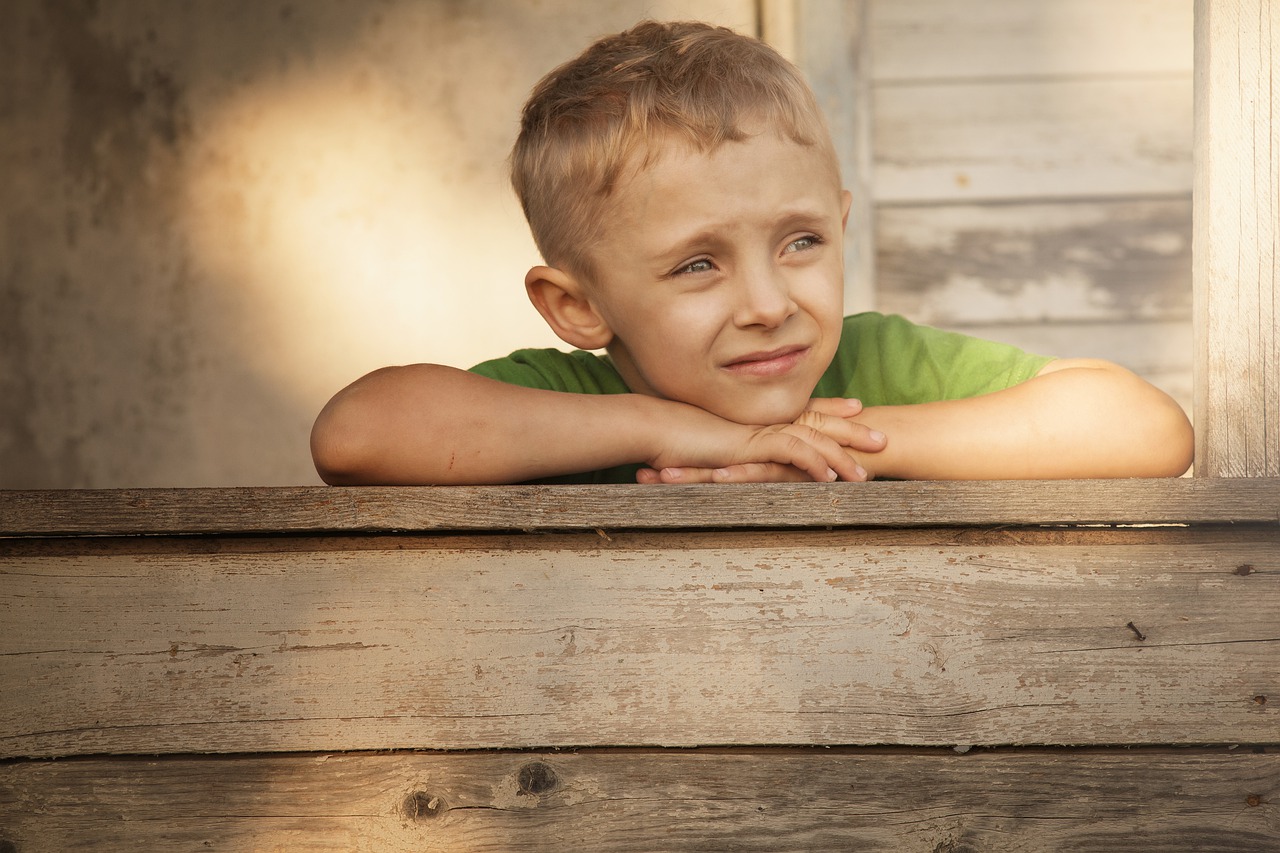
(764, 300)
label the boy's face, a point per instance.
(721, 277)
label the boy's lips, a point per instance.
(775, 362)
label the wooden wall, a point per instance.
(1031, 165)
(883, 666)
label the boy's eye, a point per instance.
(700, 265)
(807, 242)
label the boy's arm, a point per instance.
(1077, 418)
(429, 424)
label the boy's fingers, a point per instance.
(836, 407)
(819, 456)
(846, 432)
(837, 457)
(759, 472)
(865, 439)
(678, 476)
(682, 476)
(747, 472)
(799, 446)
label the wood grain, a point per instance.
(696, 639)
(322, 509)
(1019, 140)
(1237, 216)
(1098, 262)
(1198, 801)
(915, 40)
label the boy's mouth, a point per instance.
(774, 362)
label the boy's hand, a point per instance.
(829, 417)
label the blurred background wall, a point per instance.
(215, 213)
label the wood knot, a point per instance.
(421, 805)
(1253, 800)
(1244, 569)
(1259, 700)
(537, 778)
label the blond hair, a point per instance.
(593, 118)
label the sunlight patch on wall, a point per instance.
(352, 229)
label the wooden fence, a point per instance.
(896, 666)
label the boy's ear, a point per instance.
(846, 201)
(564, 304)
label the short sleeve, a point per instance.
(577, 372)
(888, 360)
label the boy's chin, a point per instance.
(761, 413)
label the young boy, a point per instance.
(684, 192)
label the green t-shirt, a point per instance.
(883, 360)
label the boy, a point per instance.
(684, 192)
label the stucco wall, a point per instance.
(215, 213)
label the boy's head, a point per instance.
(595, 119)
(681, 184)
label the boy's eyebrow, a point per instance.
(712, 234)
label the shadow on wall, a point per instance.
(218, 213)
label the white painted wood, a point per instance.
(1183, 801)
(1118, 261)
(944, 39)
(1237, 216)
(1020, 139)
(1145, 636)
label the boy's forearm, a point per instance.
(429, 424)
(432, 425)
(1078, 419)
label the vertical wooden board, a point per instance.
(1198, 801)
(935, 39)
(1068, 138)
(1237, 227)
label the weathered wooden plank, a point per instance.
(935, 39)
(1069, 139)
(1169, 636)
(1116, 261)
(1197, 801)
(1237, 216)
(902, 504)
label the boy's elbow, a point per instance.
(343, 439)
(1182, 446)
(339, 453)
(1169, 443)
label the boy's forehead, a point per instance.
(650, 167)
